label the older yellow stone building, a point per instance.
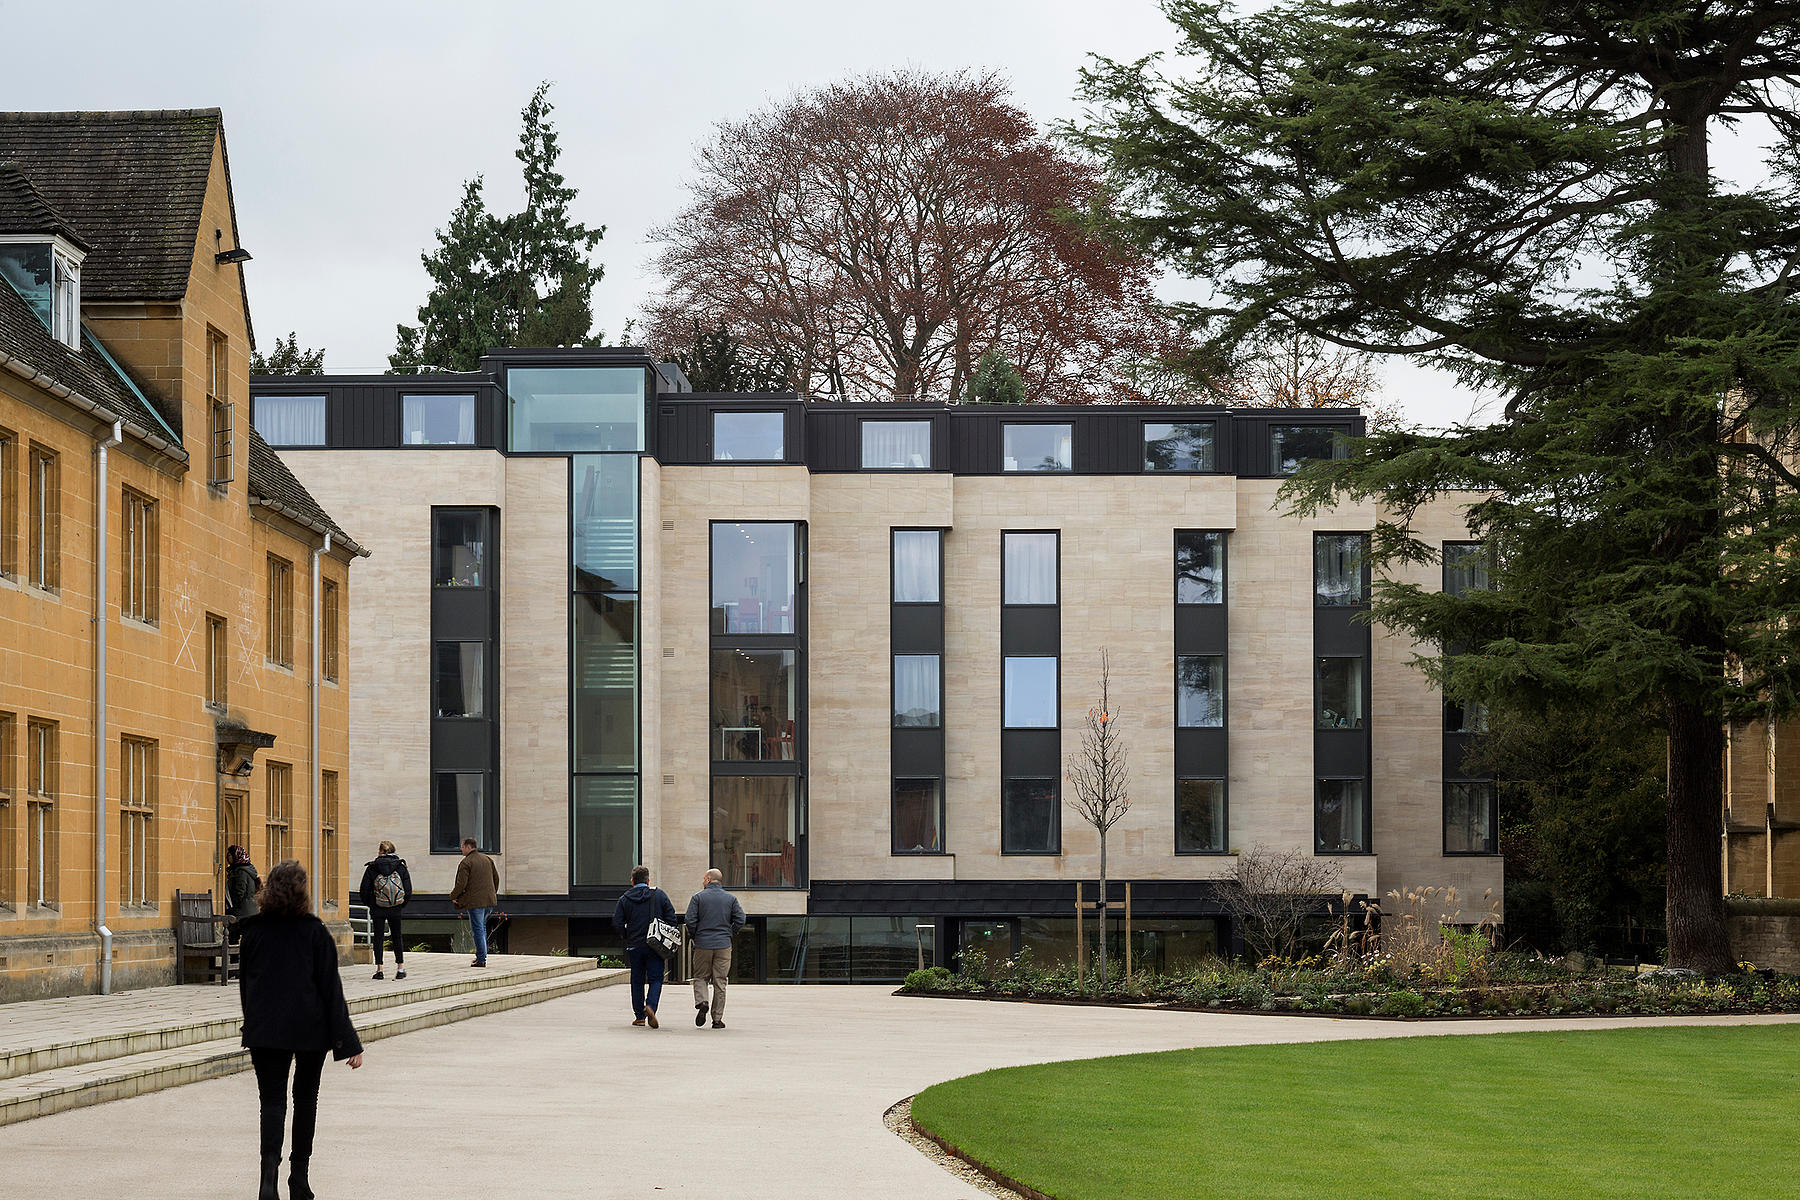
(173, 645)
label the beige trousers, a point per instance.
(713, 966)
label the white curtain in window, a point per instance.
(474, 688)
(1030, 565)
(291, 420)
(896, 444)
(916, 690)
(438, 421)
(916, 567)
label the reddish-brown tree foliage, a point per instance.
(882, 233)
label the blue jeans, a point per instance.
(646, 967)
(478, 926)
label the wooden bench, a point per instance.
(201, 934)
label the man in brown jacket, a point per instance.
(476, 894)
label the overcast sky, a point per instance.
(351, 127)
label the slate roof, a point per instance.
(273, 485)
(23, 208)
(131, 182)
(24, 339)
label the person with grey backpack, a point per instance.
(386, 887)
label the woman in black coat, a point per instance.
(241, 884)
(389, 866)
(294, 1011)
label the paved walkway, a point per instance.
(566, 1099)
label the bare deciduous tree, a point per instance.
(1272, 894)
(1100, 775)
(884, 232)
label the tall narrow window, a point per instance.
(1200, 567)
(1338, 567)
(9, 807)
(459, 809)
(139, 562)
(278, 820)
(1341, 817)
(218, 656)
(1028, 561)
(281, 612)
(329, 620)
(918, 566)
(41, 770)
(461, 679)
(1200, 816)
(331, 884)
(45, 519)
(218, 394)
(137, 812)
(9, 505)
(1200, 691)
(1338, 693)
(917, 691)
(1471, 818)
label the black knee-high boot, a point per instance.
(298, 1187)
(271, 1169)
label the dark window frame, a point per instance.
(893, 696)
(437, 679)
(1056, 805)
(712, 433)
(1038, 604)
(1144, 425)
(1367, 569)
(1224, 692)
(930, 445)
(1063, 423)
(1363, 696)
(1368, 804)
(488, 837)
(486, 515)
(1444, 564)
(895, 849)
(1056, 701)
(1224, 568)
(1224, 850)
(893, 575)
(1493, 814)
(324, 399)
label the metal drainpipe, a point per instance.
(100, 589)
(312, 689)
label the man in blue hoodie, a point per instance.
(637, 907)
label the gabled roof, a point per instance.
(28, 350)
(273, 486)
(131, 182)
(23, 208)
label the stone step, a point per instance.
(131, 1038)
(77, 1085)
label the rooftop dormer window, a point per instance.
(48, 275)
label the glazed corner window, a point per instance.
(1292, 445)
(1200, 816)
(1028, 562)
(918, 566)
(1341, 817)
(918, 816)
(289, 420)
(896, 445)
(1470, 818)
(575, 410)
(459, 809)
(1466, 567)
(1338, 567)
(1030, 822)
(437, 420)
(1200, 568)
(917, 691)
(459, 548)
(1031, 693)
(1338, 689)
(1037, 447)
(749, 437)
(460, 679)
(1178, 446)
(755, 574)
(1200, 691)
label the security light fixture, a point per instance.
(239, 255)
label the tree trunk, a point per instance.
(1103, 909)
(1698, 936)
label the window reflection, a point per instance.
(1469, 818)
(1200, 568)
(1029, 821)
(1466, 567)
(1179, 446)
(1200, 691)
(749, 437)
(1200, 816)
(1028, 560)
(1291, 445)
(917, 564)
(1338, 569)
(916, 691)
(562, 410)
(289, 420)
(1030, 700)
(604, 837)
(605, 521)
(1037, 447)
(605, 652)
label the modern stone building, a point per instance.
(844, 651)
(172, 601)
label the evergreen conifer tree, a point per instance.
(995, 381)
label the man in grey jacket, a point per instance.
(713, 918)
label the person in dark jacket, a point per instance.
(632, 917)
(384, 877)
(294, 1011)
(241, 884)
(713, 918)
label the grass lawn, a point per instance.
(1639, 1113)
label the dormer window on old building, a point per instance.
(47, 273)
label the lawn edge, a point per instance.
(1175, 1006)
(1000, 1178)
